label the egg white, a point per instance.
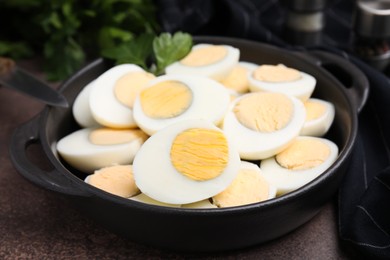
(319, 126)
(210, 101)
(217, 70)
(155, 175)
(286, 180)
(148, 200)
(253, 145)
(81, 109)
(105, 107)
(301, 88)
(77, 150)
(203, 204)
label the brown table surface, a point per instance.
(39, 224)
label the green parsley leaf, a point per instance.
(168, 49)
(136, 51)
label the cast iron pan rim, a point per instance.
(275, 202)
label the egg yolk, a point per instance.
(264, 111)
(278, 73)
(166, 99)
(204, 56)
(107, 136)
(128, 86)
(200, 154)
(116, 179)
(314, 110)
(237, 80)
(303, 154)
(248, 187)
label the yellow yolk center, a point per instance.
(314, 110)
(248, 187)
(237, 79)
(116, 179)
(166, 99)
(264, 111)
(128, 86)
(204, 56)
(303, 154)
(200, 154)
(107, 136)
(278, 73)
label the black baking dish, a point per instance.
(201, 229)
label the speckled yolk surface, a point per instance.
(264, 112)
(128, 86)
(107, 136)
(166, 99)
(314, 110)
(237, 80)
(116, 179)
(303, 154)
(205, 56)
(276, 73)
(200, 154)
(248, 187)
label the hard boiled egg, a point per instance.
(262, 124)
(237, 80)
(90, 149)
(172, 98)
(319, 117)
(214, 61)
(203, 204)
(304, 160)
(282, 79)
(116, 179)
(248, 187)
(186, 162)
(148, 200)
(81, 109)
(112, 96)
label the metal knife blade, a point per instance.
(13, 77)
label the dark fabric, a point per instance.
(364, 208)
(364, 196)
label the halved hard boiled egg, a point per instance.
(248, 187)
(319, 117)
(282, 79)
(262, 124)
(148, 200)
(116, 179)
(81, 109)
(172, 98)
(186, 162)
(203, 204)
(112, 96)
(213, 61)
(304, 160)
(90, 149)
(237, 80)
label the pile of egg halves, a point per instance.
(212, 132)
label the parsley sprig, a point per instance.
(151, 52)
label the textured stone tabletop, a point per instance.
(39, 224)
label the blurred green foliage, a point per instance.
(67, 32)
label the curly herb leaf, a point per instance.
(137, 51)
(168, 49)
(68, 32)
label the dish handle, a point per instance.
(24, 136)
(355, 81)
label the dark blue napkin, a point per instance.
(364, 195)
